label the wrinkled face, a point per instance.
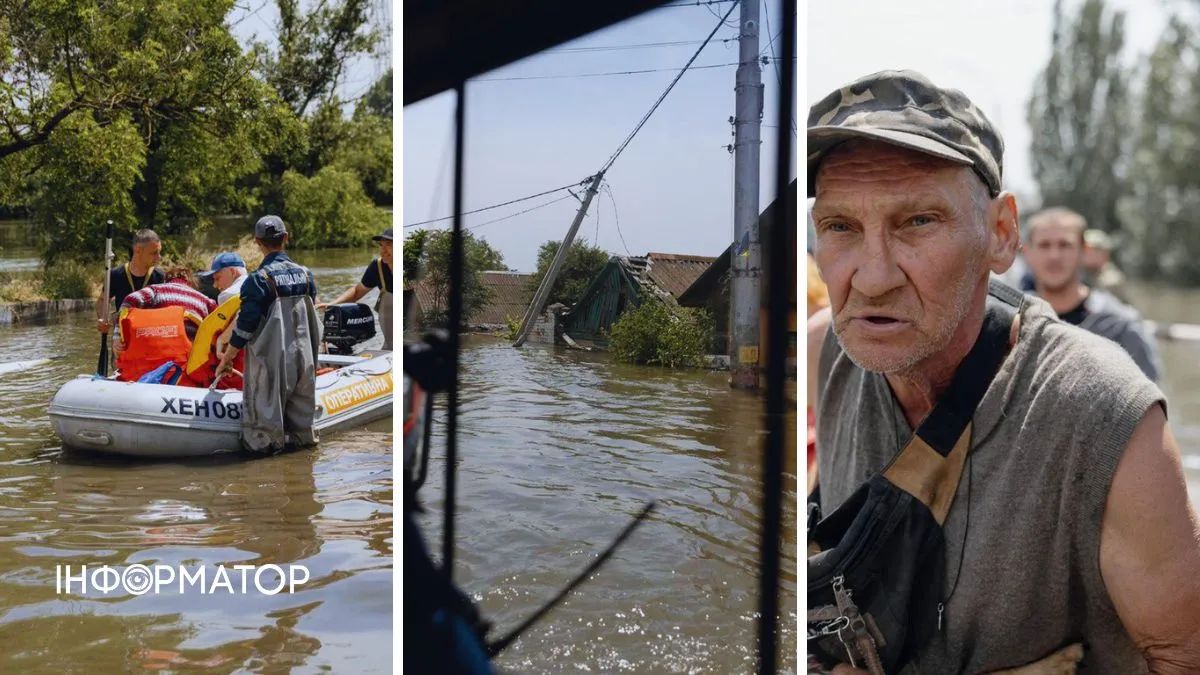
(223, 278)
(385, 251)
(148, 254)
(1054, 253)
(904, 246)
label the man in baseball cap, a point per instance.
(1018, 447)
(226, 273)
(378, 274)
(278, 327)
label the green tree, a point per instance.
(661, 333)
(414, 251)
(1079, 115)
(314, 48)
(583, 262)
(1164, 173)
(329, 209)
(434, 262)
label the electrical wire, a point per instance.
(771, 48)
(616, 217)
(663, 96)
(618, 48)
(496, 206)
(620, 72)
(514, 215)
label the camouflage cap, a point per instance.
(902, 107)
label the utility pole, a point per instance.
(543, 291)
(746, 262)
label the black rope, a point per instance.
(781, 257)
(501, 644)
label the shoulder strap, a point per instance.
(382, 284)
(129, 277)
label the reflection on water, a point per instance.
(558, 450)
(328, 509)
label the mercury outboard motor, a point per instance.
(347, 325)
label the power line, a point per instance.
(514, 215)
(671, 86)
(642, 45)
(771, 47)
(496, 206)
(623, 72)
(616, 217)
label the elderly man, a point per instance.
(1071, 521)
(1055, 250)
(228, 273)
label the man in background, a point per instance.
(134, 275)
(1099, 271)
(1055, 251)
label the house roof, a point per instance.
(673, 272)
(707, 281)
(510, 298)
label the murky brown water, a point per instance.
(558, 450)
(329, 509)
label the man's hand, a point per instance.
(103, 326)
(226, 363)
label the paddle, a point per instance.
(102, 365)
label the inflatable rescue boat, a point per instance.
(161, 420)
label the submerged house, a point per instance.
(622, 283)
(711, 288)
(510, 297)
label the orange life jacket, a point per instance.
(152, 337)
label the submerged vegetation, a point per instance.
(661, 333)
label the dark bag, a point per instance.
(876, 565)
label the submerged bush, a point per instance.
(658, 333)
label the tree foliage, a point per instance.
(583, 262)
(329, 209)
(429, 251)
(661, 333)
(151, 114)
(1079, 115)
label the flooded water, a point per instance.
(329, 509)
(1181, 370)
(558, 450)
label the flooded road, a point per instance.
(329, 509)
(558, 450)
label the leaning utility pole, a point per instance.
(543, 291)
(746, 261)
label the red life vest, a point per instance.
(152, 337)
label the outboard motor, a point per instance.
(347, 325)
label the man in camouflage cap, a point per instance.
(1071, 523)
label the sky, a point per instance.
(671, 190)
(991, 51)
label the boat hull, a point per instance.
(156, 420)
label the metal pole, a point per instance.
(455, 322)
(781, 280)
(560, 256)
(746, 264)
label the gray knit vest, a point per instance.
(1047, 438)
